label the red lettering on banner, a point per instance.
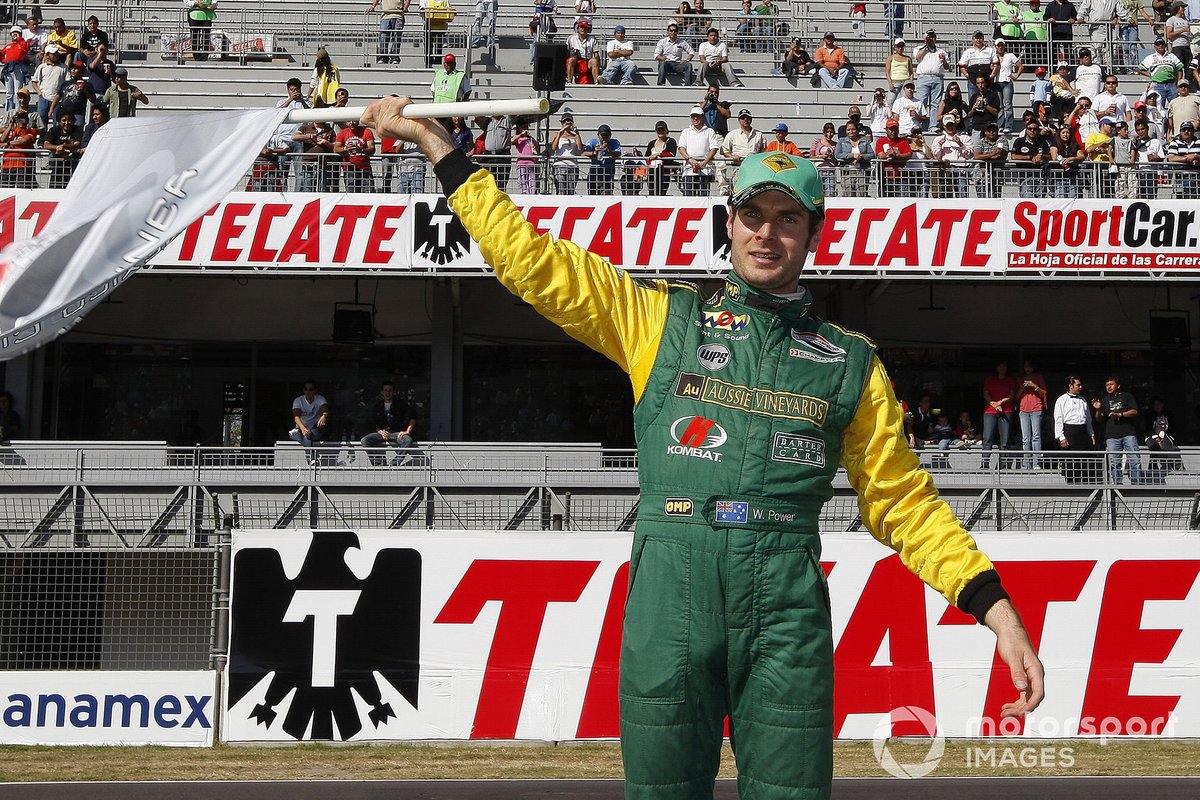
(191, 234)
(8, 221)
(381, 232)
(1122, 643)
(537, 215)
(902, 244)
(258, 250)
(305, 238)
(831, 234)
(39, 211)
(346, 217)
(600, 716)
(893, 604)
(1114, 228)
(942, 220)
(524, 589)
(230, 229)
(649, 219)
(979, 233)
(609, 241)
(572, 215)
(1034, 585)
(859, 256)
(683, 233)
(1024, 231)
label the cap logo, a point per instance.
(778, 162)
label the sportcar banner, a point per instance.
(141, 182)
(310, 233)
(374, 634)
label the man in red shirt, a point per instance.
(832, 65)
(16, 68)
(16, 168)
(356, 144)
(893, 151)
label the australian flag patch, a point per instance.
(732, 511)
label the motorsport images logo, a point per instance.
(883, 735)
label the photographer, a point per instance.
(567, 147)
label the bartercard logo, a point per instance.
(697, 437)
(815, 347)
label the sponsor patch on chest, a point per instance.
(798, 449)
(767, 402)
(713, 357)
(815, 347)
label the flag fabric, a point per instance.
(142, 181)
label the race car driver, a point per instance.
(745, 405)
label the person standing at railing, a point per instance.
(698, 146)
(356, 144)
(17, 163)
(201, 14)
(1101, 17)
(1184, 150)
(1178, 32)
(998, 393)
(391, 29)
(63, 142)
(1119, 411)
(854, 155)
(526, 148)
(932, 63)
(1073, 429)
(567, 147)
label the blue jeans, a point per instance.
(992, 422)
(1006, 106)
(929, 91)
(681, 68)
(1166, 92)
(377, 448)
(409, 182)
(839, 81)
(1128, 445)
(619, 71)
(1129, 33)
(483, 26)
(15, 75)
(1031, 438)
(390, 31)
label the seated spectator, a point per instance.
(687, 21)
(1164, 453)
(583, 55)
(75, 95)
(910, 112)
(392, 423)
(47, 81)
(781, 143)
(35, 119)
(703, 17)
(698, 146)
(991, 151)
(16, 66)
(661, 160)
(122, 97)
(92, 38)
(621, 67)
(714, 60)
(356, 144)
(965, 433)
(584, 10)
(941, 436)
(953, 151)
(17, 168)
(1031, 152)
(265, 174)
(854, 154)
(63, 141)
(853, 114)
(66, 39)
(747, 27)
(1184, 150)
(674, 56)
(98, 119)
(823, 152)
(1141, 113)
(310, 412)
(833, 68)
(1062, 94)
(796, 60)
(604, 152)
(1098, 146)
(766, 11)
(567, 147)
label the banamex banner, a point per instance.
(674, 235)
(393, 635)
(108, 708)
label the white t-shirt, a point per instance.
(932, 61)
(1111, 105)
(901, 109)
(615, 44)
(1008, 65)
(310, 412)
(947, 149)
(697, 143)
(585, 47)
(1089, 80)
(49, 78)
(876, 119)
(711, 52)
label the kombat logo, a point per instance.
(698, 437)
(678, 507)
(798, 449)
(715, 357)
(815, 347)
(769, 403)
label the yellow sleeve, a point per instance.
(897, 499)
(585, 295)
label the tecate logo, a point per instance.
(697, 437)
(713, 357)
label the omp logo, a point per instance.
(715, 357)
(733, 291)
(816, 347)
(697, 437)
(725, 320)
(678, 507)
(106, 711)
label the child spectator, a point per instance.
(858, 13)
(1039, 90)
(966, 435)
(526, 148)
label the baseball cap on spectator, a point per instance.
(745, 112)
(696, 111)
(794, 176)
(780, 128)
(977, 35)
(1062, 64)
(931, 32)
(1040, 71)
(949, 119)
(891, 123)
(16, 29)
(1187, 126)
(661, 125)
(1000, 41)
(23, 90)
(1108, 121)
(619, 29)
(898, 41)
(50, 48)
(1121, 123)
(1139, 104)
(124, 73)
(449, 58)
(567, 118)
(1160, 40)
(604, 130)
(828, 35)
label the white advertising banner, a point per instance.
(418, 635)
(108, 708)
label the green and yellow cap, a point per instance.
(780, 172)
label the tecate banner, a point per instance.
(260, 232)
(425, 635)
(108, 708)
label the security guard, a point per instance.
(746, 404)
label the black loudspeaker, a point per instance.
(353, 323)
(549, 66)
(1170, 332)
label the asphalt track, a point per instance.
(843, 789)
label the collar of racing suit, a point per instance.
(794, 306)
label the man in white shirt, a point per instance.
(1147, 150)
(698, 145)
(582, 54)
(621, 67)
(977, 59)
(739, 145)
(932, 63)
(1098, 15)
(1073, 428)
(310, 412)
(1089, 76)
(953, 148)
(1111, 103)
(674, 55)
(909, 111)
(714, 60)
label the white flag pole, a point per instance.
(469, 108)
